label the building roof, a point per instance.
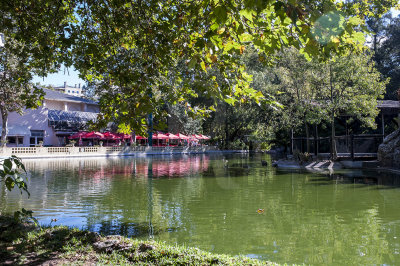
(388, 104)
(70, 120)
(59, 96)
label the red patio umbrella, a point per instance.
(112, 136)
(203, 136)
(181, 136)
(160, 136)
(125, 136)
(196, 137)
(77, 135)
(93, 135)
(172, 136)
(140, 137)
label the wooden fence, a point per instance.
(351, 145)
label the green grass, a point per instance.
(22, 243)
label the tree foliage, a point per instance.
(308, 93)
(132, 49)
(386, 41)
(11, 173)
(350, 85)
(16, 93)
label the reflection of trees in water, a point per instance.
(366, 177)
(308, 218)
(116, 227)
(325, 225)
(132, 203)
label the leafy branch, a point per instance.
(12, 171)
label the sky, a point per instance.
(71, 76)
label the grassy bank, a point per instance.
(23, 243)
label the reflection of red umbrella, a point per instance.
(77, 135)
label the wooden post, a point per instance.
(316, 140)
(352, 146)
(383, 125)
(291, 142)
(301, 145)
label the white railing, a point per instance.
(114, 149)
(62, 151)
(58, 149)
(89, 149)
(19, 150)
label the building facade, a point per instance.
(59, 116)
(75, 90)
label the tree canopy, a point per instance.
(132, 50)
(385, 44)
(16, 93)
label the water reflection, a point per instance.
(380, 179)
(98, 168)
(350, 217)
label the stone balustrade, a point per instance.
(33, 152)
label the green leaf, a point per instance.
(247, 13)
(230, 100)
(7, 164)
(354, 21)
(203, 66)
(358, 37)
(192, 62)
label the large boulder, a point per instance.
(389, 150)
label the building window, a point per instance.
(36, 137)
(13, 140)
(69, 91)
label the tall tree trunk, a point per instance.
(4, 117)
(226, 127)
(333, 141)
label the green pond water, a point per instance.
(224, 204)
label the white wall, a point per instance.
(54, 105)
(74, 107)
(38, 120)
(33, 120)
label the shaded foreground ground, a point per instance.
(24, 243)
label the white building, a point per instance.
(59, 116)
(74, 91)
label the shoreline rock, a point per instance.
(389, 150)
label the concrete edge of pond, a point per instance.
(118, 154)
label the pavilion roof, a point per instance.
(388, 104)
